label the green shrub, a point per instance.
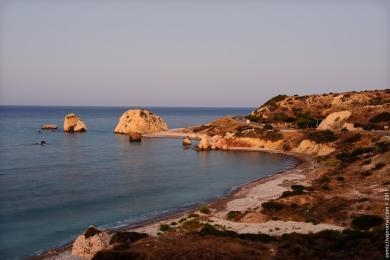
(173, 223)
(272, 206)
(209, 230)
(354, 138)
(268, 127)
(381, 117)
(127, 237)
(323, 179)
(362, 150)
(324, 136)
(379, 166)
(325, 187)
(193, 215)
(340, 178)
(382, 147)
(286, 147)
(204, 209)
(165, 227)
(273, 136)
(192, 224)
(272, 102)
(233, 214)
(182, 220)
(305, 120)
(367, 221)
(252, 118)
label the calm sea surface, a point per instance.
(49, 194)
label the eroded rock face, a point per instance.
(336, 120)
(73, 123)
(140, 121)
(88, 244)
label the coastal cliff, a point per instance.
(330, 206)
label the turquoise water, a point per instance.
(51, 193)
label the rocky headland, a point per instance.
(330, 206)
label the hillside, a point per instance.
(306, 111)
(330, 206)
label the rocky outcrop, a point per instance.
(140, 121)
(89, 243)
(336, 120)
(49, 126)
(204, 143)
(73, 123)
(186, 141)
(135, 137)
(311, 147)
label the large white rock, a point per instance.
(336, 120)
(140, 121)
(311, 147)
(73, 123)
(88, 244)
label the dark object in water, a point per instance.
(43, 143)
(135, 137)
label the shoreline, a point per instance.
(298, 172)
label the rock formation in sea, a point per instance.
(73, 123)
(49, 126)
(140, 121)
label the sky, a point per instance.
(189, 53)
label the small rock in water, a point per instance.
(186, 141)
(49, 126)
(43, 143)
(135, 137)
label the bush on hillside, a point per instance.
(367, 221)
(324, 136)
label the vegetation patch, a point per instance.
(366, 222)
(324, 136)
(209, 230)
(192, 224)
(165, 227)
(204, 209)
(381, 117)
(127, 237)
(272, 206)
(273, 101)
(233, 215)
(296, 190)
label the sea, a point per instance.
(50, 194)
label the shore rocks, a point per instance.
(135, 137)
(186, 141)
(88, 244)
(336, 120)
(49, 126)
(73, 123)
(140, 121)
(204, 143)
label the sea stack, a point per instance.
(140, 121)
(73, 123)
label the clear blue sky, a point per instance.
(189, 53)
